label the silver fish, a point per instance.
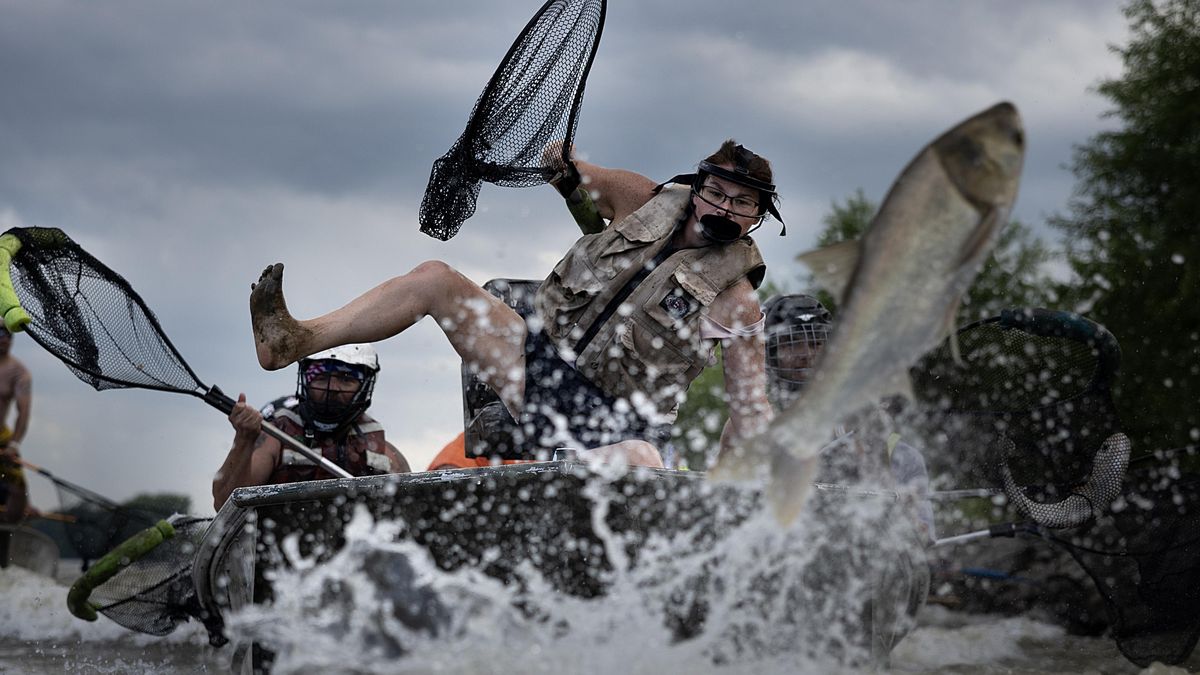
(901, 287)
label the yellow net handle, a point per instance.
(15, 316)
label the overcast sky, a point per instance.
(190, 144)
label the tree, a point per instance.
(1132, 232)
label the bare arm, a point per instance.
(23, 395)
(252, 457)
(616, 192)
(744, 366)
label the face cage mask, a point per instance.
(325, 408)
(787, 345)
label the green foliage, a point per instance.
(1132, 234)
(161, 505)
(847, 221)
(697, 430)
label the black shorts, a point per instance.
(565, 409)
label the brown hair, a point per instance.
(759, 168)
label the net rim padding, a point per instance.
(33, 239)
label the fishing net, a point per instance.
(533, 99)
(156, 594)
(92, 320)
(95, 524)
(1031, 398)
(1030, 409)
(89, 317)
(1143, 554)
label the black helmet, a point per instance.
(328, 413)
(796, 327)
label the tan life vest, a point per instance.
(648, 350)
(362, 451)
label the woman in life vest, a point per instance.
(623, 324)
(327, 412)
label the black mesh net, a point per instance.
(1032, 393)
(531, 101)
(1030, 409)
(1143, 554)
(155, 593)
(94, 525)
(89, 317)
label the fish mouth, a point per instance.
(982, 156)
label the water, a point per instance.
(38, 635)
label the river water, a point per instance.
(38, 635)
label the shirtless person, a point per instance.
(16, 386)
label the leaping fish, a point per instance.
(900, 285)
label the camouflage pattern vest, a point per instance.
(361, 452)
(648, 349)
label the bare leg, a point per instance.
(634, 452)
(485, 332)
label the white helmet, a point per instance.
(332, 414)
(354, 355)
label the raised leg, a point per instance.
(485, 332)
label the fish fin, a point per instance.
(950, 330)
(833, 265)
(980, 241)
(791, 481)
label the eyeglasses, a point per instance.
(738, 206)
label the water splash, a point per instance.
(731, 592)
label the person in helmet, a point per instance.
(797, 327)
(327, 412)
(623, 324)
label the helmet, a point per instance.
(328, 410)
(797, 327)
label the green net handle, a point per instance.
(15, 316)
(114, 561)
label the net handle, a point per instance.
(15, 316)
(221, 401)
(128, 551)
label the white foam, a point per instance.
(35, 609)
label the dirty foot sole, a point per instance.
(278, 338)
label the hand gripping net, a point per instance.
(532, 100)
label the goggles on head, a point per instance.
(315, 369)
(327, 407)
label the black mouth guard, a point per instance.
(719, 229)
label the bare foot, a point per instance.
(278, 338)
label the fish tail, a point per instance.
(791, 481)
